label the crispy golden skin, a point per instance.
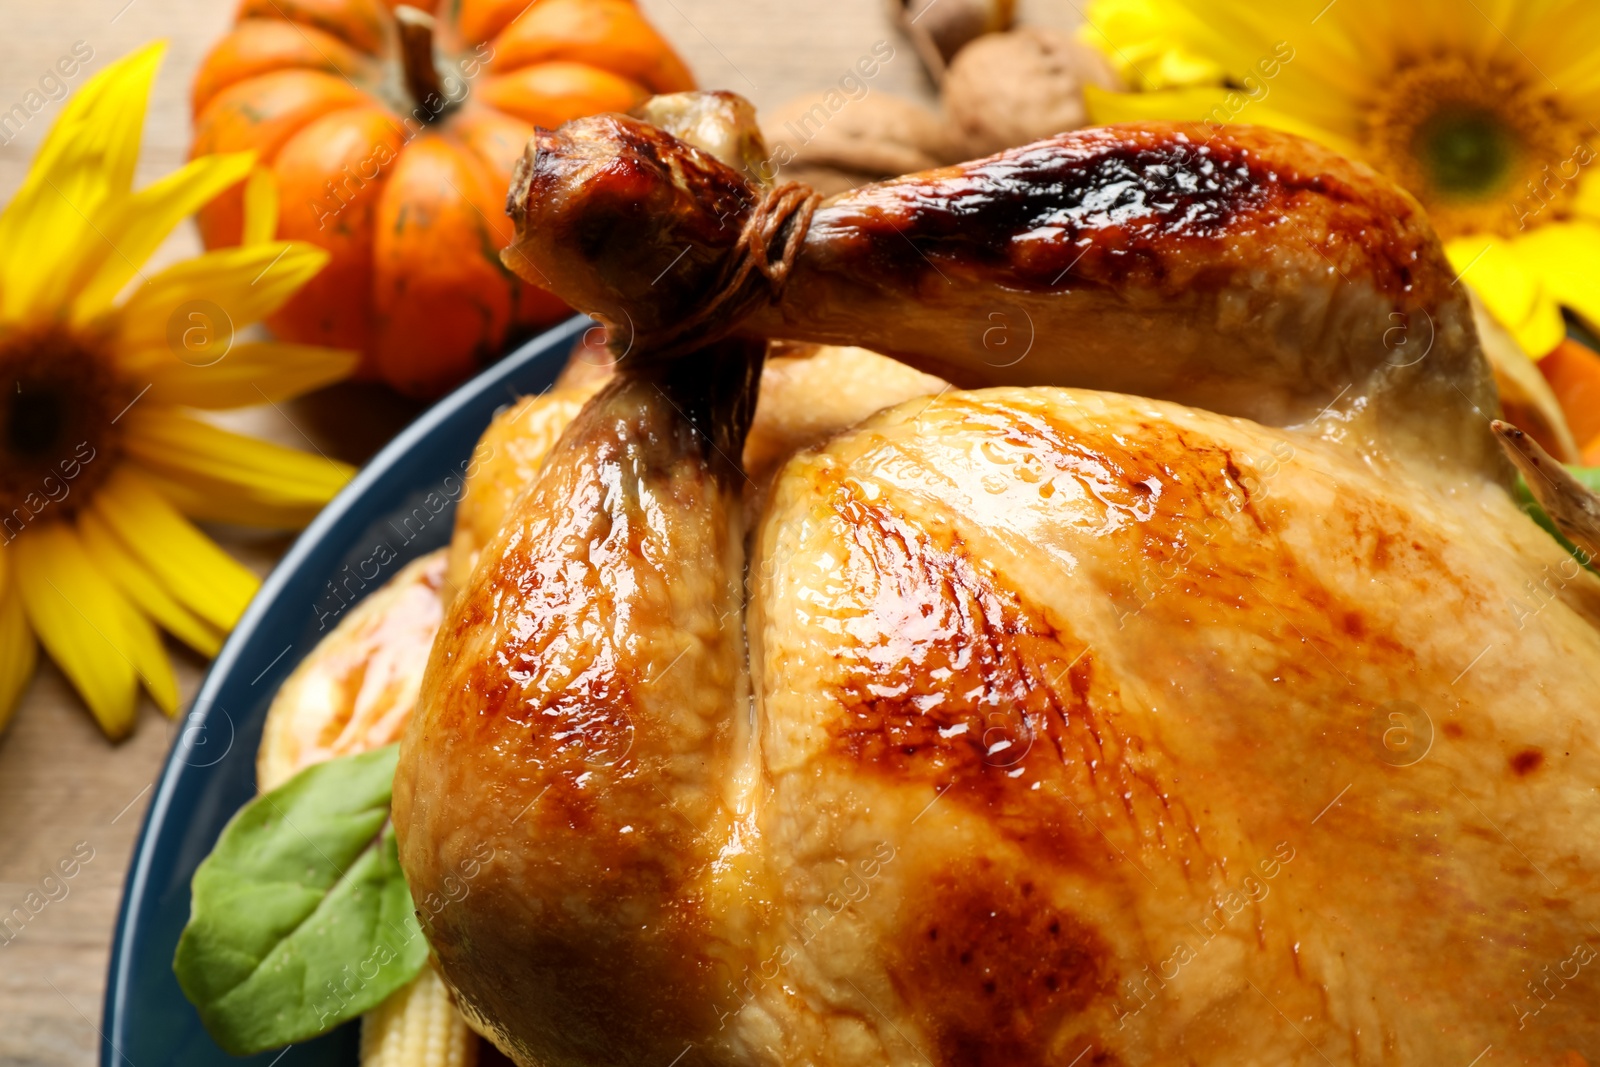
(1216, 771)
(508, 457)
(1052, 691)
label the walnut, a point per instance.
(950, 25)
(1006, 89)
(836, 143)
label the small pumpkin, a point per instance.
(393, 139)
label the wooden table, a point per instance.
(61, 785)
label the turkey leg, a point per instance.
(595, 679)
(1237, 269)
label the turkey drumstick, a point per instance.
(592, 695)
(1232, 268)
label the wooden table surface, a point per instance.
(62, 787)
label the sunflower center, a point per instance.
(59, 402)
(1465, 153)
(35, 423)
(1484, 148)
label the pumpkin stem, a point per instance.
(417, 62)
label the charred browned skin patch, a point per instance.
(1125, 205)
(1527, 761)
(994, 971)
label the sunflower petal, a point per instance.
(1560, 37)
(150, 661)
(186, 449)
(19, 652)
(1163, 44)
(1566, 255)
(1278, 119)
(139, 224)
(115, 97)
(141, 587)
(204, 504)
(1205, 104)
(246, 283)
(1511, 291)
(1182, 105)
(186, 562)
(258, 372)
(80, 619)
(260, 207)
(49, 240)
(1129, 32)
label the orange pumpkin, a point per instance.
(393, 140)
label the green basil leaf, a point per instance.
(301, 917)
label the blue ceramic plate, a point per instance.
(210, 772)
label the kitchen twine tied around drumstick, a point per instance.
(782, 212)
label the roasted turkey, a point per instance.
(1190, 689)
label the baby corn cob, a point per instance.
(418, 1027)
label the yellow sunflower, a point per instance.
(103, 462)
(1486, 110)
